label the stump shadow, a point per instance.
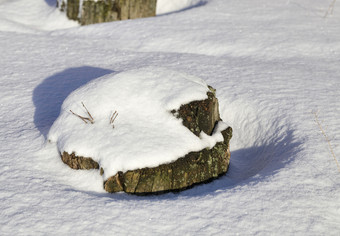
(52, 3)
(248, 166)
(199, 4)
(51, 93)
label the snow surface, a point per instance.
(166, 6)
(273, 63)
(146, 134)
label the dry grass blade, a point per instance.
(330, 9)
(113, 118)
(87, 112)
(85, 119)
(81, 117)
(327, 139)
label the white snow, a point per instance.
(145, 134)
(30, 17)
(165, 6)
(273, 63)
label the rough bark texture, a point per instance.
(200, 115)
(79, 162)
(107, 10)
(193, 168)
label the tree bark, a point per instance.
(193, 168)
(99, 11)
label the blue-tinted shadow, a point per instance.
(248, 166)
(52, 3)
(50, 94)
(199, 4)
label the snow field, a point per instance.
(273, 64)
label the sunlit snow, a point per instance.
(274, 64)
(145, 133)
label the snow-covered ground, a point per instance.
(275, 64)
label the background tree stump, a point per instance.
(91, 11)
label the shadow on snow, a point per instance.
(52, 3)
(199, 4)
(248, 166)
(51, 93)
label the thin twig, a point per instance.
(88, 112)
(113, 118)
(330, 9)
(81, 117)
(327, 139)
(85, 119)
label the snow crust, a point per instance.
(274, 64)
(145, 133)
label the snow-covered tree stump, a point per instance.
(98, 11)
(193, 168)
(168, 135)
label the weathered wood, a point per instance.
(79, 162)
(200, 116)
(99, 11)
(193, 168)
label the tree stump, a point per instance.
(193, 168)
(98, 11)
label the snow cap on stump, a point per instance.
(163, 116)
